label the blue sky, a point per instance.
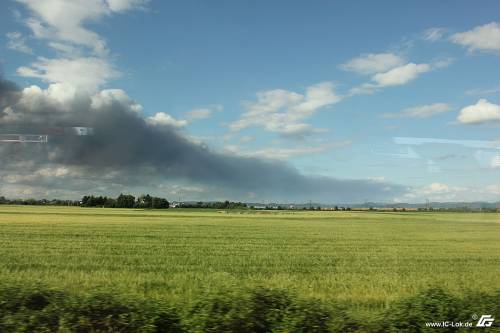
(324, 86)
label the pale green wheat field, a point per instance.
(362, 258)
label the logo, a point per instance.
(485, 321)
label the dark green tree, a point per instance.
(145, 201)
(159, 203)
(125, 201)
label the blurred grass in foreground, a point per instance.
(38, 309)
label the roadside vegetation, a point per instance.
(39, 309)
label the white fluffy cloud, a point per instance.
(63, 99)
(421, 111)
(57, 97)
(281, 111)
(481, 112)
(441, 192)
(400, 75)
(64, 21)
(437, 188)
(373, 63)
(164, 119)
(83, 56)
(388, 69)
(86, 73)
(105, 98)
(434, 192)
(55, 93)
(485, 37)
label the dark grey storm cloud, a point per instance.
(137, 152)
(9, 93)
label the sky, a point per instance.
(283, 101)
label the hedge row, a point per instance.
(35, 309)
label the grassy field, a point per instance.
(364, 259)
(360, 257)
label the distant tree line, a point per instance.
(281, 207)
(337, 208)
(214, 205)
(148, 201)
(38, 202)
(125, 201)
(460, 209)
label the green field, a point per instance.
(364, 259)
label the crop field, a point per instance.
(366, 260)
